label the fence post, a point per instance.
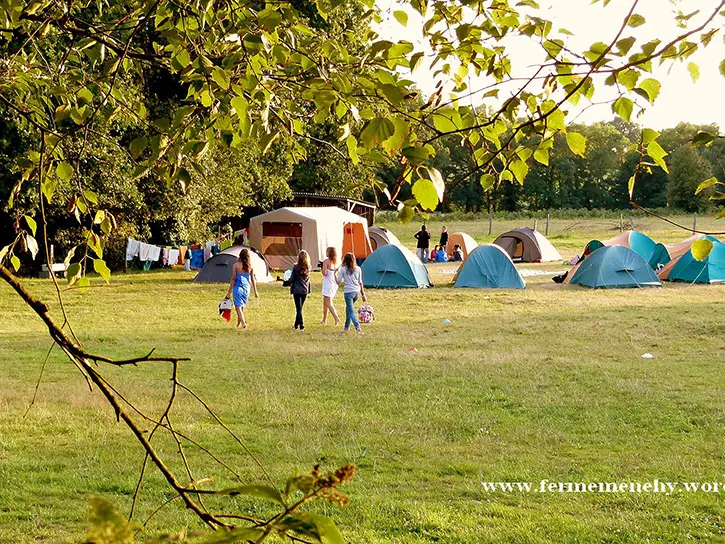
(694, 222)
(621, 222)
(490, 224)
(536, 223)
(548, 218)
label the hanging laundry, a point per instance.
(164, 256)
(225, 245)
(215, 249)
(132, 249)
(173, 257)
(197, 258)
(143, 251)
(154, 253)
(207, 251)
(182, 254)
(147, 265)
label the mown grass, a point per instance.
(546, 383)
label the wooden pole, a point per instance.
(694, 222)
(548, 219)
(490, 224)
(621, 222)
(536, 223)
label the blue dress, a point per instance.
(241, 289)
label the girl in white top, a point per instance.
(329, 285)
(351, 274)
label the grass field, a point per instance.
(546, 383)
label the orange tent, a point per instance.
(356, 241)
(465, 241)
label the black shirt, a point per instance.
(444, 239)
(299, 284)
(423, 237)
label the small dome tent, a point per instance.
(614, 266)
(527, 246)
(655, 254)
(218, 269)
(380, 236)
(393, 266)
(687, 269)
(465, 241)
(489, 266)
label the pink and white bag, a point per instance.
(365, 313)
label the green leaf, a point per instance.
(269, 19)
(649, 135)
(700, 249)
(182, 58)
(694, 71)
(100, 216)
(577, 143)
(85, 96)
(425, 192)
(15, 262)
(376, 131)
(635, 20)
(707, 183)
(722, 68)
(630, 186)
(32, 244)
(702, 138)
(326, 528)
(220, 77)
(64, 171)
(435, 176)
(542, 155)
(31, 223)
(520, 169)
(488, 181)
(623, 107)
(72, 272)
(401, 17)
(651, 87)
(137, 146)
(90, 196)
(447, 120)
(657, 154)
(100, 267)
(406, 214)
(106, 226)
(416, 155)
(351, 143)
(255, 490)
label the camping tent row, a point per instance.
(218, 269)
(527, 246)
(281, 234)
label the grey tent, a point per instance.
(527, 246)
(218, 269)
(380, 236)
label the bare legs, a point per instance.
(240, 317)
(328, 306)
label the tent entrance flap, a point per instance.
(355, 240)
(281, 239)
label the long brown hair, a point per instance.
(245, 260)
(348, 261)
(303, 263)
(332, 254)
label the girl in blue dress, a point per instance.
(242, 278)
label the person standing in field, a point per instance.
(242, 279)
(443, 242)
(423, 246)
(329, 285)
(299, 284)
(351, 275)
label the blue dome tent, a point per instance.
(489, 266)
(614, 266)
(393, 266)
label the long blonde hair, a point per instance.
(303, 263)
(348, 261)
(332, 254)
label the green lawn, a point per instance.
(546, 383)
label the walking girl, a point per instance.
(242, 279)
(329, 285)
(351, 275)
(299, 284)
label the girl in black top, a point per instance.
(299, 286)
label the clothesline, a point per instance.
(170, 256)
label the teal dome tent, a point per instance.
(489, 266)
(687, 268)
(394, 266)
(614, 266)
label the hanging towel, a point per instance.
(147, 265)
(164, 256)
(154, 253)
(173, 257)
(225, 244)
(143, 251)
(197, 258)
(207, 251)
(132, 248)
(182, 254)
(215, 249)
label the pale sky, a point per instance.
(680, 99)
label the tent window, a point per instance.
(281, 238)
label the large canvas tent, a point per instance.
(489, 266)
(614, 266)
(465, 241)
(394, 266)
(686, 268)
(528, 246)
(218, 269)
(380, 236)
(281, 234)
(652, 252)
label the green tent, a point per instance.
(687, 268)
(489, 266)
(394, 266)
(614, 266)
